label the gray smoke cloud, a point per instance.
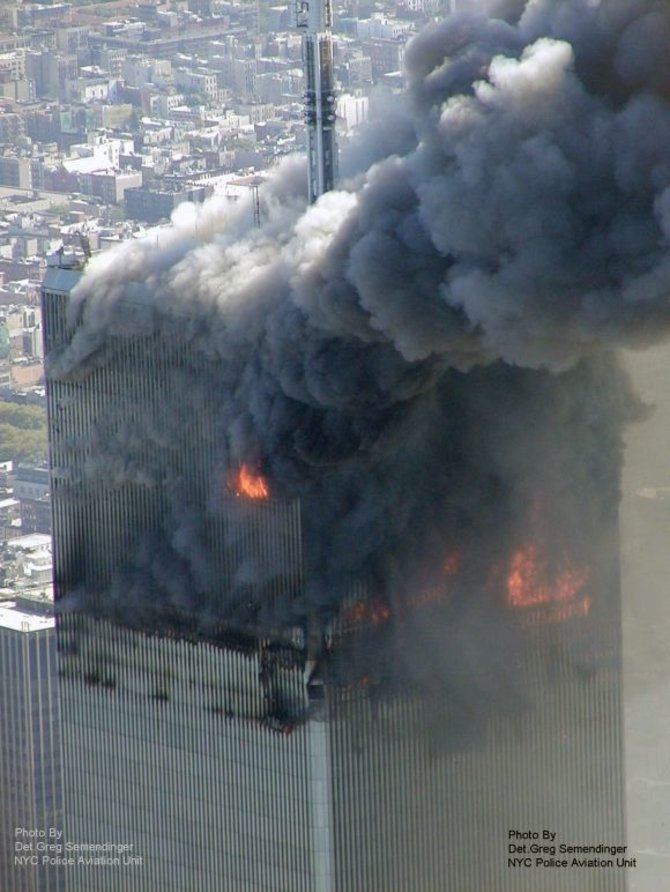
(424, 354)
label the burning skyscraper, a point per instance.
(336, 499)
(231, 717)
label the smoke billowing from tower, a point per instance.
(425, 357)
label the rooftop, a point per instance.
(19, 621)
(30, 542)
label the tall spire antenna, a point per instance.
(314, 18)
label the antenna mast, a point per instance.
(314, 18)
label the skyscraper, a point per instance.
(30, 768)
(245, 750)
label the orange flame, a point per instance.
(452, 564)
(528, 582)
(248, 485)
(373, 612)
(379, 612)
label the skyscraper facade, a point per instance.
(30, 767)
(212, 752)
(184, 766)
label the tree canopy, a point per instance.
(23, 433)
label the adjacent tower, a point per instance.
(315, 20)
(30, 764)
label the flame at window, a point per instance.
(529, 582)
(249, 485)
(452, 564)
(374, 612)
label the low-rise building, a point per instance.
(154, 205)
(16, 172)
